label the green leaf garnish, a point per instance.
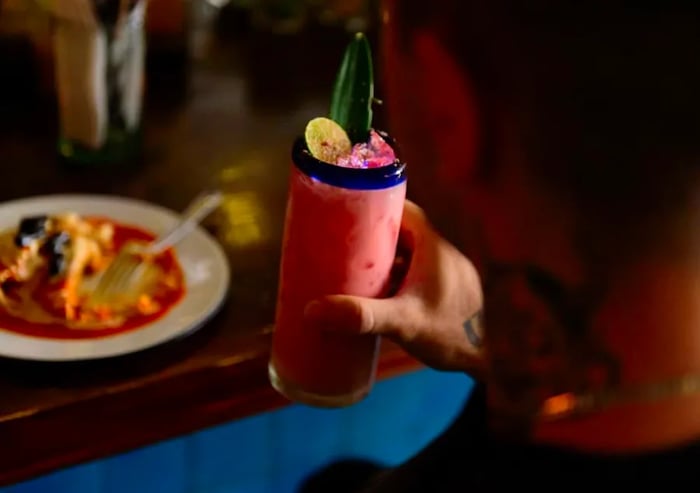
(353, 93)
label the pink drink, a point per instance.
(340, 237)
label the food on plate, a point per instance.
(49, 265)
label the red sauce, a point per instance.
(122, 233)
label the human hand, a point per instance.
(434, 314)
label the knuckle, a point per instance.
(363, 318)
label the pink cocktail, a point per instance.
(340, 237)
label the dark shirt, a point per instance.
(466, 458)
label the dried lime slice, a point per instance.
(327, 140)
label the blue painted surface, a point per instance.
(80, 479)
(273, 452)
(160, 468)
(218, 462)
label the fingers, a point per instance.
(412, 212)
(391, 317)
(414, 223)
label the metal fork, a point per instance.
(128, 265)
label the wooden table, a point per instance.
(246, 97)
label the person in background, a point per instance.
(557, 147)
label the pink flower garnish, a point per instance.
(373, 154)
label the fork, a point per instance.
(128, 265)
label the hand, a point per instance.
(433, 313)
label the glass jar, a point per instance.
(99, 51)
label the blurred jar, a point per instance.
(99, 54)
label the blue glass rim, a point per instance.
(350, 178)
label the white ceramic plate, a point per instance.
(204, 264)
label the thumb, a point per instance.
(358, 315)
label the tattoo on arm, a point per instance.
(473, 327)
